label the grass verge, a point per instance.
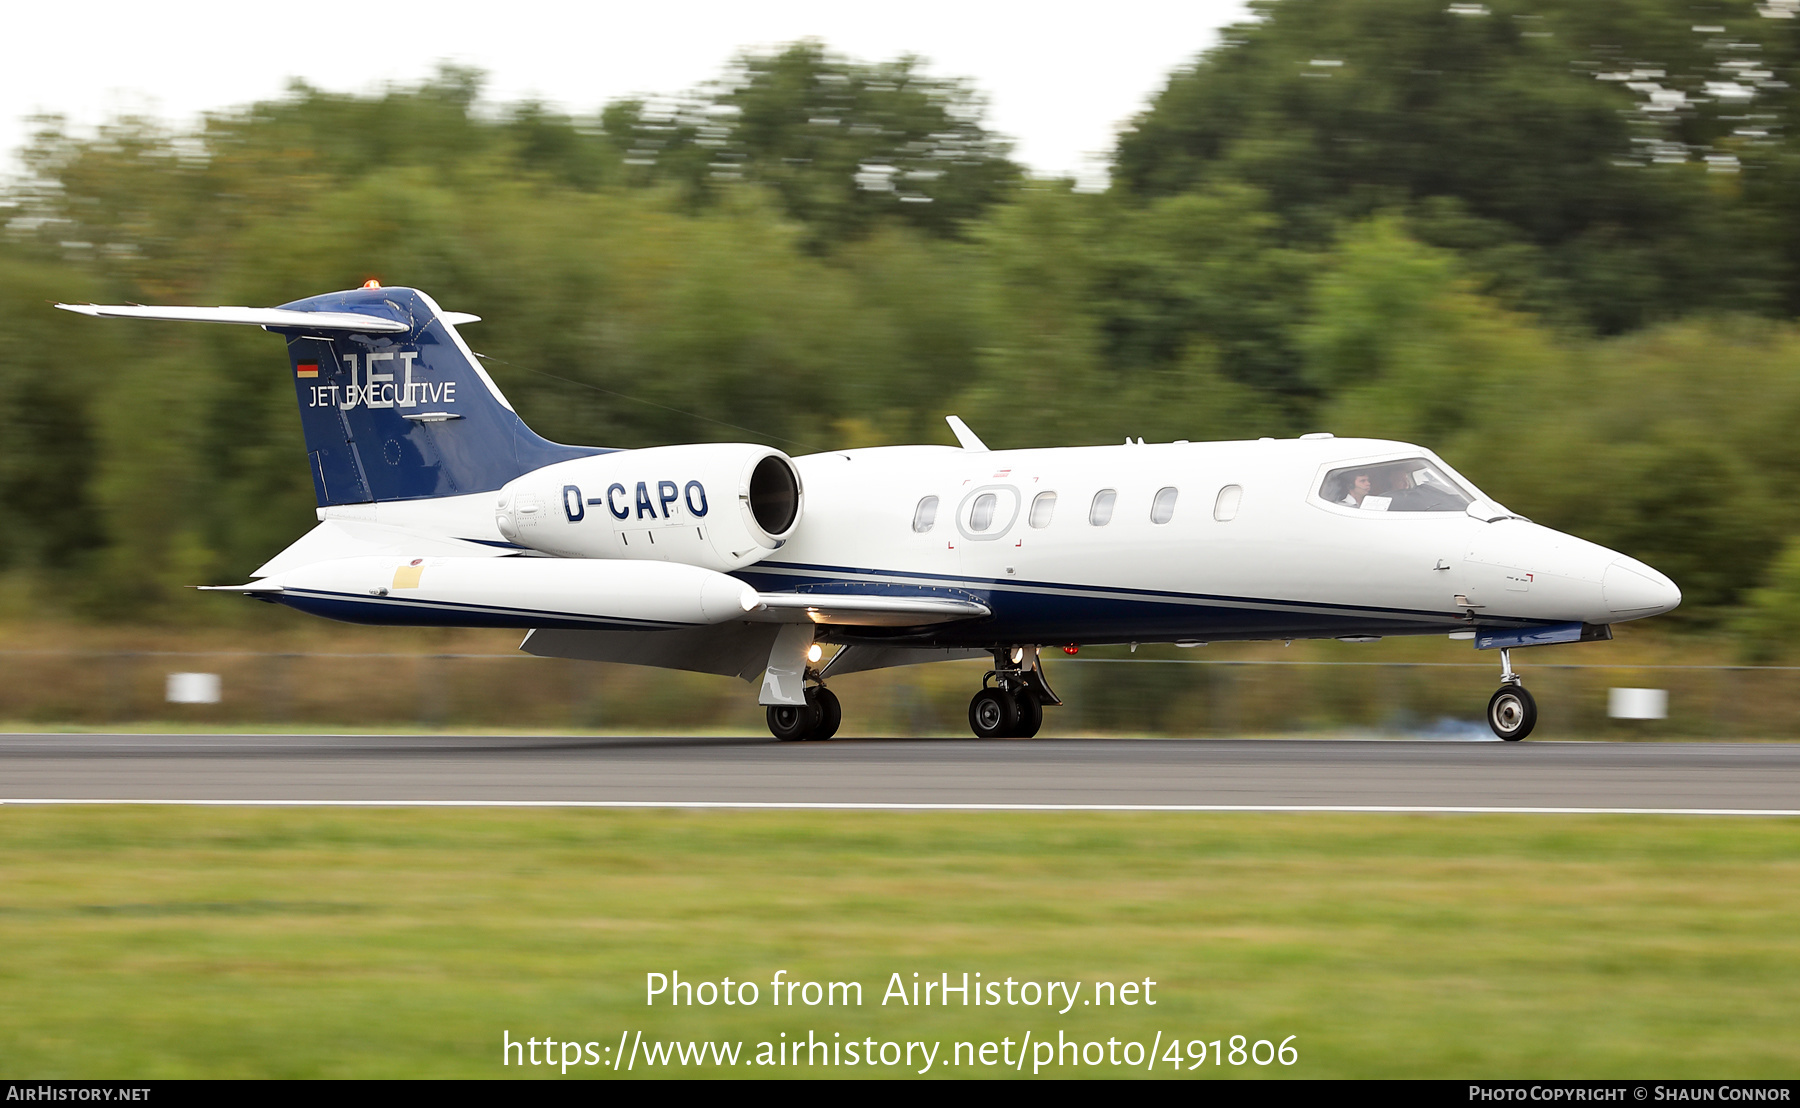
(175, 942)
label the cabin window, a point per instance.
(1162, 509)
(925, 515)
(1225, 508)
(1100, 514)
(981, 516)
(1413, 485)
(1042, 509)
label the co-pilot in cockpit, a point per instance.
(1411, 485)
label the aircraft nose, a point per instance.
(1634, 590)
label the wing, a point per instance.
(742, 649)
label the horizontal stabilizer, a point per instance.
(867, 611)
(250, 317)
(393, 404)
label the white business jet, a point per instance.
(438, 506)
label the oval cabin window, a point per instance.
(1225, 508)
(926, 515)
(1101, 513)
(981, 517)
(1162, 509)
(1042, 509)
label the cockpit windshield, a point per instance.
(1412, 485)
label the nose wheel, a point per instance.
(1511, 711)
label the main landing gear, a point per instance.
(1010, 704)
(818, 720)
(799, 704)
(1511, 712)
(1013, 707)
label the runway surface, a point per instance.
(1711, 777)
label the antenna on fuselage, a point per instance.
(969, 439)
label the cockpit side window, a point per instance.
(1411, 485)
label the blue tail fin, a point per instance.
(407, 415)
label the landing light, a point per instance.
(1018, 655)
(814, 653)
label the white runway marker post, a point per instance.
(1637, 703)
(193, 688)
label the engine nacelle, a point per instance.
(721, 505)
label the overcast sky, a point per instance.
(1059, 81)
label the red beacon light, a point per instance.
(371, 283)
(1071, 649)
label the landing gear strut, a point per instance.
(1511, 711)
(1013, 707)
(799, 704)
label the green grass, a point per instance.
(178, 942)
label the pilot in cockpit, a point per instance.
(1410, 485)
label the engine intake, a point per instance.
(775, 494)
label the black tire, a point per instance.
(993, 714)
(831, 713)
(791, 724)
(1031, 714)
(1512, 713)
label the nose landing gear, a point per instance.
(1012, 708)
(1511, 711)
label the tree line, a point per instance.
(1557, 242)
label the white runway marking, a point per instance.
(878, 806)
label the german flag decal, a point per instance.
(307, 369)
